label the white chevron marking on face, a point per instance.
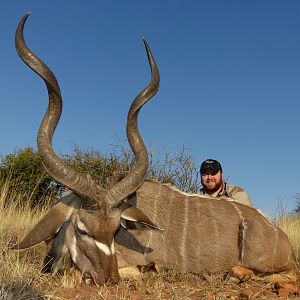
(104, 248)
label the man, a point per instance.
(213, 184)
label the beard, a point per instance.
(211, 186)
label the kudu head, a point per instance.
(83, 224)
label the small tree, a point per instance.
(178, 168)
(102, 167)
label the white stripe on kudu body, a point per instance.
(183, 246)
(243, 232)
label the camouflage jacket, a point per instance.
(233, 192)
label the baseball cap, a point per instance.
(212, 165)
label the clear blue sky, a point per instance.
(230, 82)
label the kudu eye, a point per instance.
(81, 229)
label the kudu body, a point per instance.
(199, 233)
(203, 234)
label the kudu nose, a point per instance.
(87, 278)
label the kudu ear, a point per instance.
(50, 224)
(132, 216)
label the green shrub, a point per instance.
(25, 171)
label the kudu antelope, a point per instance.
(200, 234)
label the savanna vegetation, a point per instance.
(25, 171)
(26, 192)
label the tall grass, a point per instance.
(19, 271)
(290, 224)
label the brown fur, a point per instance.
(203, 234)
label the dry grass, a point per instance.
(290, 224)
(20, 276)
